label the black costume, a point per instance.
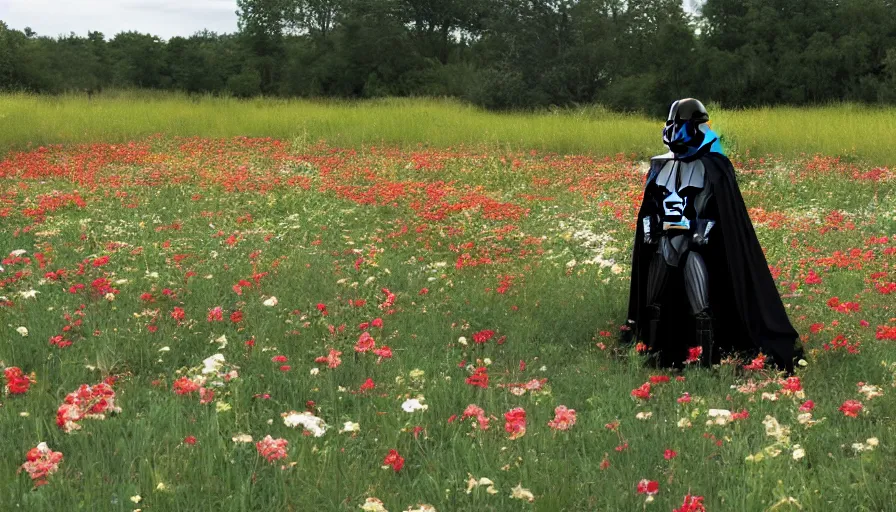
(695, 240)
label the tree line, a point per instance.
(500, 54)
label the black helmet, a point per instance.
(682, 131)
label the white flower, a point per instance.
(373, 505)
(222, 341)
(684, 423)
(872, 441)
(270, 302)
(315, 371)
(165, 349)
(136, 499)
(242, 438)
(109, 296)
(774, 429)
(414, 404)
(424, 507)
(369, 280)
(308, 421)
(719, 416)
(472, 483)
(30, 294)
(570, 263)
(350, 427)
(871, 391)
(22, 330)
(18, 252)
(644, 415)
(462, 340)
(798, 452)
(212, 364)
(522, 494)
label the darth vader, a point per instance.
(701, 287)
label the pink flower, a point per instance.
(41, 462)
(563, 418)
(332, 359)
(474, 411)
(365, 342)
(272, 449)
(756, 364)
(216, 314)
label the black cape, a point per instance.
(748, 315)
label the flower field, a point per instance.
(245, 324)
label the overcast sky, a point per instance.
(165, 18)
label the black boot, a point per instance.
(704, 337)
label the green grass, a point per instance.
(857, 132)
(339, 225)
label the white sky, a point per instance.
(164, 18)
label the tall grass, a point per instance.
(860, 132)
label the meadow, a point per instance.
(855, 132)
(412, 305)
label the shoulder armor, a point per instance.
(664, 173)
(666, 156)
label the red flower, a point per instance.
(669, 454)
(99, 262)
(16, 381)
(479, 378)
(642, 392)
(813, 278)
(807, 406)
(694, 354)
(383, 352)
(659, 379)
(685, 398)
(377, 322)
(178, 314)
(851, 408)
(395, 460)
(792, 384)
(279, 359)
(190, 440)
(236, 317)
(185, 386)
(368, 385)
(649, 487)
(483, 336)
(515, 422)
(691, 504)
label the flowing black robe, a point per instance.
(748, 315)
